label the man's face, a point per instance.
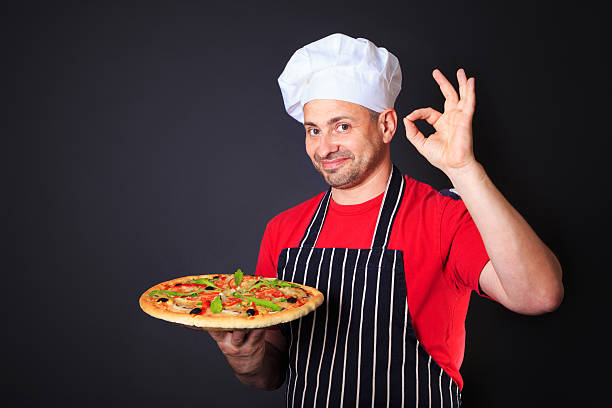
(342, 141)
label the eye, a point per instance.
(313, 131)
(343, 127)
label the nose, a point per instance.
(327, 145)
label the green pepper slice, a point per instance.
(260, 302)
(204, 281)
(172, 293)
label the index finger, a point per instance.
(255, 336)
(462, 79)
(218, 335)
(447, 90)
(238, 337)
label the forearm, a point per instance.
(528, 273)
(266, 372)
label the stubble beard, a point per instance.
(353, 171)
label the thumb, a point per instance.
(414, 135)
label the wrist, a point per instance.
(466, 176)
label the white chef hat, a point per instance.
(342, 68)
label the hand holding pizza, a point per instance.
(244, 349)
(450, 147)
(258, 357)
(226, 305)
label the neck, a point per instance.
(374, 185)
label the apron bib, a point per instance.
(359, 347)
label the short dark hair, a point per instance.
(373, 115)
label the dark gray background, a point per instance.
(149, 141)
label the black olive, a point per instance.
(209, 288)
(215, 277)
(196, 310)
(177, 284)
(291, 299)
(250, 312)
(162, 300)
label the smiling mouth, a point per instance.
(332, 164)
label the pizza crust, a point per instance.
(224, 320)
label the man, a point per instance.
(396, 260)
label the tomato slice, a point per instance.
(231, 301)
(208, 297)
(273, 292)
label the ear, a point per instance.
(387, 124)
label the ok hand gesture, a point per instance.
(450, 147)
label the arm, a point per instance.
(523, 274)
(259, 358)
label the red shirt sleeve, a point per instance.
(462, 250)
(266, 262)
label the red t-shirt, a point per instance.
(442, 249)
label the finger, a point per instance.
(218, 335)
(470, 104)
(414, 135)
(447, 90)
(428, 114)
(462, 80)
(238, 337)
(255, 337)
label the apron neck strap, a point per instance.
(386, 215)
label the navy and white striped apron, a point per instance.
(359, 347)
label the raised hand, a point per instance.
(450, 147)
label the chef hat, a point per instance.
(343, 68)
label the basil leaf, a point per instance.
(238, 277)
(216, 306)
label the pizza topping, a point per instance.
(236, 294)
(260, 302)
(173, 293)
(204, 281)
(264, 302)
(215, 305)
(238, 275)
(229, 302)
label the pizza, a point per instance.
(229, 301)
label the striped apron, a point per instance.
(359, 347)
